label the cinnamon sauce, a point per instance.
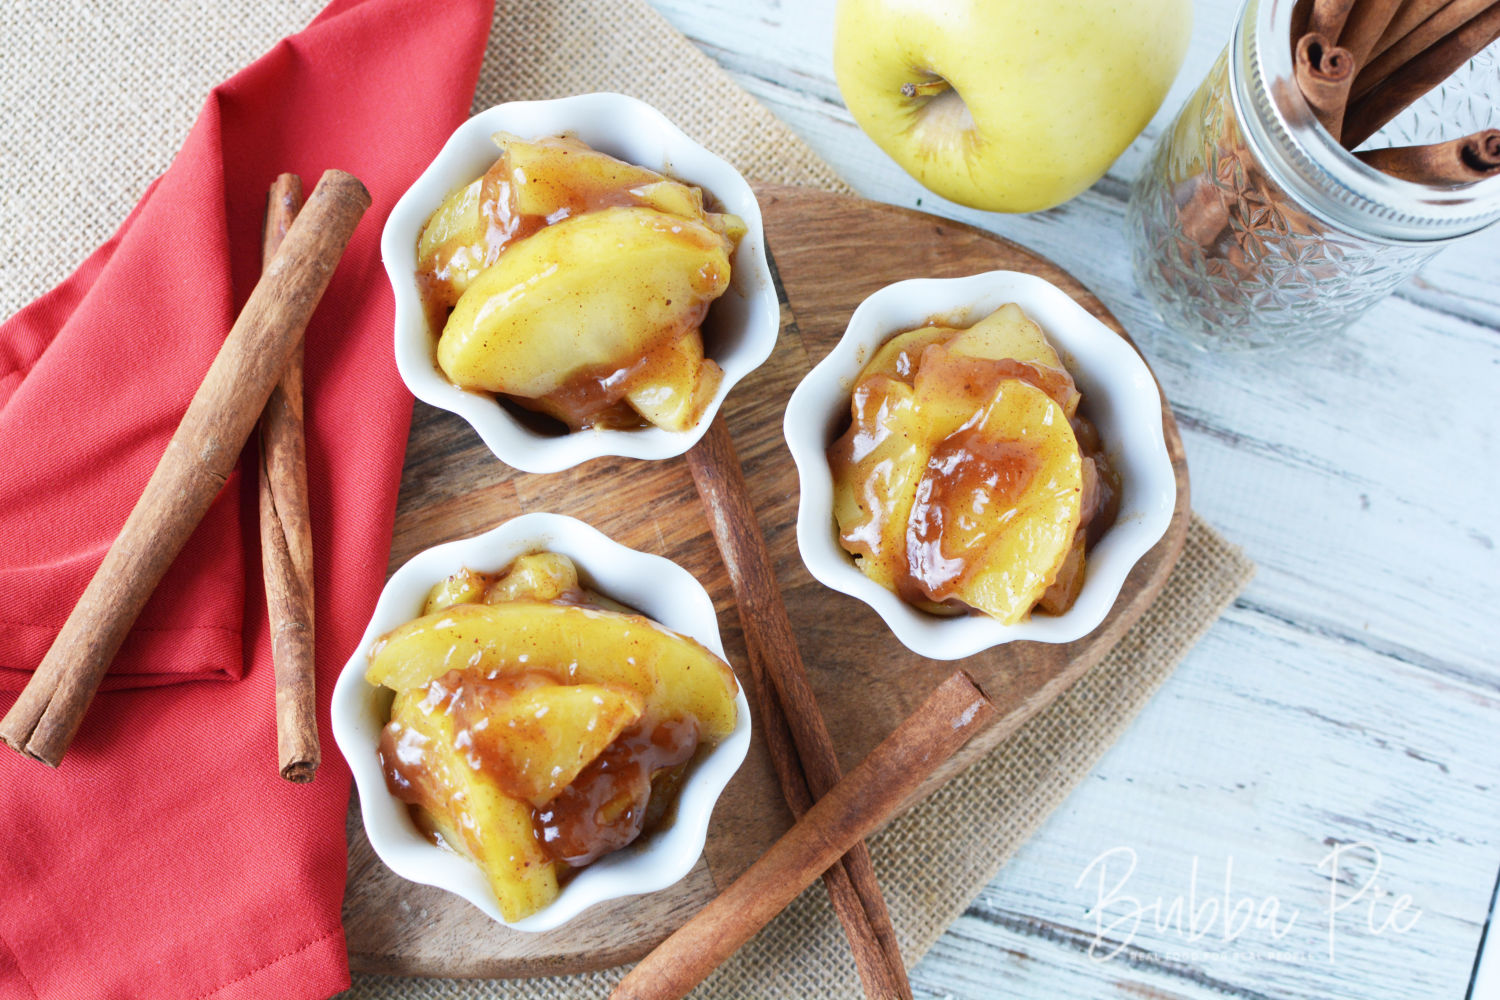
(967, 475)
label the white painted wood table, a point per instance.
(1346, 711)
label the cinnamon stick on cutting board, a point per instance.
(200, 456)
(286, 533)
(851, 810)
(1458, 161)
(796, 735)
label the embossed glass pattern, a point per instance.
(1254, 229)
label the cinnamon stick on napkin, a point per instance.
(286, 532)
(198, 460)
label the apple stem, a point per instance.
(927, 88)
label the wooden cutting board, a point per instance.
(831, 251)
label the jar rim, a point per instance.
(1328, 179)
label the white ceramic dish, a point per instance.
(657, 588)
(741, 327)
(1119, 395)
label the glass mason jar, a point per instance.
(1253, 228)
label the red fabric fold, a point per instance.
(166, 857)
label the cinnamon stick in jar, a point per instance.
(198, 459)
(286, 533)
(1327, 17)
(1411, 14)
(1325, 73)
(1370, 113)
(1443, 21)
(865, 798)
(1367, 21)
(1458, 161)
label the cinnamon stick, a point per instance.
(1411, 14)
(202, 453)
(1448, 18)
(1370, 113)
(797, 737)
(1327, 17)
(851, 810)
(1324, 73)
(1457, 161)
(1203, 212)
(1367, 21)
(286, 533)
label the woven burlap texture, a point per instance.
(95, 100)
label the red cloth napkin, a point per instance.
(166, 858)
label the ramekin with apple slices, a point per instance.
(957, 478)
(577, 278)
(540, 719)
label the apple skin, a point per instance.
(1044, 95)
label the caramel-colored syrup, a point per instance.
(607, 805)
(968, 476)
(621, 794)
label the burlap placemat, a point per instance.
(93, 104)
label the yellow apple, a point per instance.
(1007, 105)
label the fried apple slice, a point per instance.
(560, 174)
(899, 357)
(998, 505)
(472, 813)
(675, 674)
(1008, 334)
(590, 294)
(876, 466)
(536, 740)
(675, 384)
(539, 576)
(558, 177)
(452, 249)
(463, 587)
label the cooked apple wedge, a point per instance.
(452, 249)
(587, 296)
(998, 505)
(471, 811)
(951, 388)
(463, 587)
(536, 740)
(675, 384)
(676, 675)
(1009, 335)
(539, 576)
(561, 174)
(899, 357)
(876, 466)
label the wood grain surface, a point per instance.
(831, 251)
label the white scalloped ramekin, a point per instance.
(1119, 395)
(742, 324)
(659, 589)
